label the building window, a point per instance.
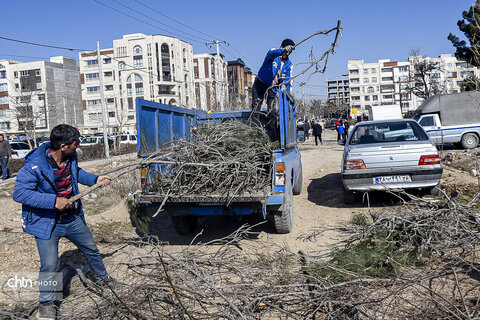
(365, 80)
(39, 86)
(24, 73)
(405, 96)
(450, 65)
(373, 70)
(90, 63)
(374, 79)
(3, 100)
(109, 87)
(370, 89)
(403, 69)
(121, 52)
(108, 74)
(93, 89)
(130, 104)
(122, 65)
(356, 89)
(111, 114)
(365, 71)
(3, 113)
(91, 76)
(367, 98)
(387, 88)
(131, 117)
(375, 98)
(386, 69)
(357, 98)
(354, 71)
(459, 83)
(139, 89)
(37, 72)
(387, 78)
(15, 74)
(388, 96)
(41, 97)
(354, 81)
(91, 103)
(5, 125)
(107, 60)
(138, 61)
(463, 74)
(3, 87)
(129, 89)
(403, 78)
(137, 50)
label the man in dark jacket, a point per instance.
(317, 132)
(44, 187)
(5, 156)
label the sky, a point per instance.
(371, 30)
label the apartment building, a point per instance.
(210, 78)
(240, 80)
(338, 90)
(36, 96)
(153, 67)
(391, 82)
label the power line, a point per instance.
(164, 15)
(19, 56)
(136, 11)
(147, 23)
(42, 45)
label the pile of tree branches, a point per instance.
(226, 159)
(417, 261)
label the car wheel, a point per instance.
(283, 220)
(348, 196)
(470, 141)
(297, 189)
(184, 224)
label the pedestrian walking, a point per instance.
(341, 131)
(347, 127)
(317, 132)
(44, 187)
(306, 128)
(5, 157)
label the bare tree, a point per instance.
(425, 76)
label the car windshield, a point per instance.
(381, 132)
(20, 146)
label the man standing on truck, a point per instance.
(44, 187)
(275, 70)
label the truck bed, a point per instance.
(202, 199)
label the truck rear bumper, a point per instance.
(215, 205)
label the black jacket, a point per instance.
(317, 129)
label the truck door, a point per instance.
(431, 124)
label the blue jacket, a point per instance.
(270, 67)
(34, 191)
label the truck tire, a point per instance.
(184, 224)
(348, 196)
(297, 189)
(283, 220)
(470, 141)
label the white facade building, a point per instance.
(36, 96)
(157, 68)
(389, 82)
(211, 83)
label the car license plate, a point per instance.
(392, 179)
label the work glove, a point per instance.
(289, 49)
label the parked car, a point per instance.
(88, 141)
(389, 154)
(128, 138)
(19, 149)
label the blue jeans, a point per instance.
(79, 234)
(4, 163)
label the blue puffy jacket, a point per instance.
(34, 189)
(270, 67)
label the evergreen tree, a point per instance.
(470, 26)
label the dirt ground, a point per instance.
(320, 204)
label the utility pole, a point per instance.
(102, 102)
(218, 71)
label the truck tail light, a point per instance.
(279, 174)
(143, 177)
(429, 159)
(354, 164)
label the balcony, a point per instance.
(166, 93)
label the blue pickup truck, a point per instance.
(158, 124)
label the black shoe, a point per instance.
(47, 311)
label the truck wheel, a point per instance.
(469, 141)
(297, 189)
(348, 196)
(435, 191)
(284, 219)
(184, 224)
